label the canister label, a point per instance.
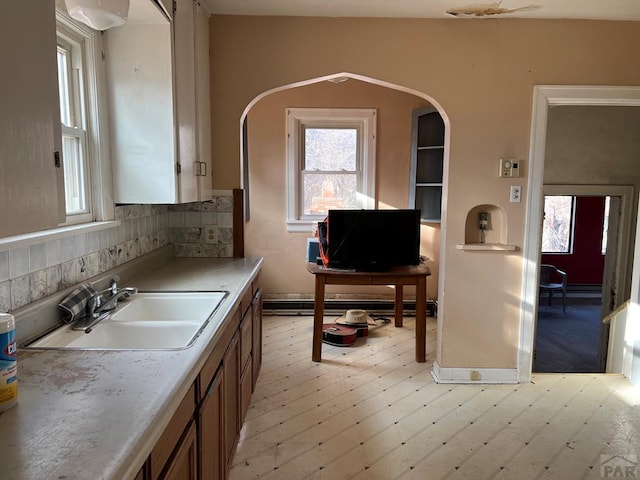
(8, 367)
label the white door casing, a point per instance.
(545, 96)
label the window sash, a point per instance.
(301, 119)
(355, 153)
(75, 171)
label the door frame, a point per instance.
(545, 96)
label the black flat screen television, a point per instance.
(373, 240)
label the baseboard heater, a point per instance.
(338, 307)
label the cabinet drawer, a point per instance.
(212, 364)
(171, 435)
(246, 301)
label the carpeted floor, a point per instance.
(567, 342)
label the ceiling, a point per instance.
(577, 9)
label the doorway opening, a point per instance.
(578, 243)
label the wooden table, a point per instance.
(397, 276)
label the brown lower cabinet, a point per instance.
(211, 427)
(183, 464)
(200, 440)
(231, 406)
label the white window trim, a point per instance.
(98, 157)
(297, 118)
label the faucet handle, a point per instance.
(114, 284)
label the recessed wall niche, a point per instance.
(487, 231)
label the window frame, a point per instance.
(91, 118)
(298, 120)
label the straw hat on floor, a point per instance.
(355, 317)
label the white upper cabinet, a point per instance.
(31, 186)
(158, 82)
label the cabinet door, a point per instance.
(31, 187)
(211, 440)
(166, 446)
(257, 335)
(141, 109)
(245, 391)
(183, 464)
(246, 339)
(185, 81)
(231, 387)
(191, 36)
(203, 105)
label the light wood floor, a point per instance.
(371, 412)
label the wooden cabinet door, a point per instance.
(246, 381)
(231, 387)
(164, 450)
(211, 439)
(257, 335)
(182, 465)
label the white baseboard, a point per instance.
(473, 375)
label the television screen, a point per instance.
(373, 240)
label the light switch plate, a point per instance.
(509, 168)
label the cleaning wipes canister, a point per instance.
(8, 362)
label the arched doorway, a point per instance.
(263, 172)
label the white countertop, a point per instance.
(97, 414)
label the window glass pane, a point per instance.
(74, 175)
(332, 149)
(557, 226)
(328, 191)
(64, 60)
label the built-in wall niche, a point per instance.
(486, 229)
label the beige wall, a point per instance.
(265, 235)
(481, 72)
(593, 145)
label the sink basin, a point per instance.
(146, 321)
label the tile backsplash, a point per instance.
(201, 229)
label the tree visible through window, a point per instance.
(557, 229)
(330, 170)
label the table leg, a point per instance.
(421, 319)
(399, 306)
(318, 317)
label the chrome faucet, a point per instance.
(101, 303)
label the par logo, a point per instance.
(619, 466)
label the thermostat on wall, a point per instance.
(509, 168)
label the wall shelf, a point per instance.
(427, 154)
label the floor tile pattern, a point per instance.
(370, 412)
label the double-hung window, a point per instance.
(330, 163)
(74, 145)
(79, 87)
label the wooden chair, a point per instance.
(553, 279)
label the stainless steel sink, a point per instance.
(146, 321)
